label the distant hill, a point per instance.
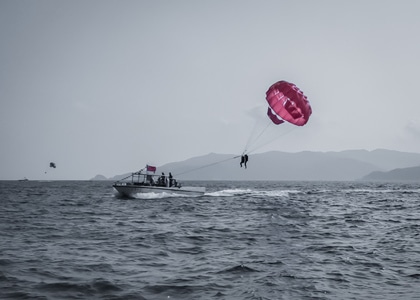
(401, 174)
(99, 177)
(385, 159)
(277, 165)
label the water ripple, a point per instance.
(241, 240)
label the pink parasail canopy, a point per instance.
(287, 103)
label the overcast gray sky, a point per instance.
(105, 87)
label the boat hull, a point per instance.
(130, 190)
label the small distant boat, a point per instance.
(144, 182)
(24, 179)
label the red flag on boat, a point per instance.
(151, 169)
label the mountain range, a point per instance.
(349, 165)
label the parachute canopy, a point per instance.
(52, 165)
(287, 103)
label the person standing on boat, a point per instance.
(171, 180)
(162, 179)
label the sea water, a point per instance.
(241, 240)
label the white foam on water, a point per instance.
(252, 193)
(152, 195)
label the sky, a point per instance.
(106, 87)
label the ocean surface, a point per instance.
(241, 240)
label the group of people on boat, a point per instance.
(164, 180)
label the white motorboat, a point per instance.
(145, 182)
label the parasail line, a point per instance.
(208, 165)
(250, 138)
(254, 140)
(270, 141)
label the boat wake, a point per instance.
(251, 192)
(221, 193)
(162, 195)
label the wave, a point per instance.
(239, 269)
(241, 240)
